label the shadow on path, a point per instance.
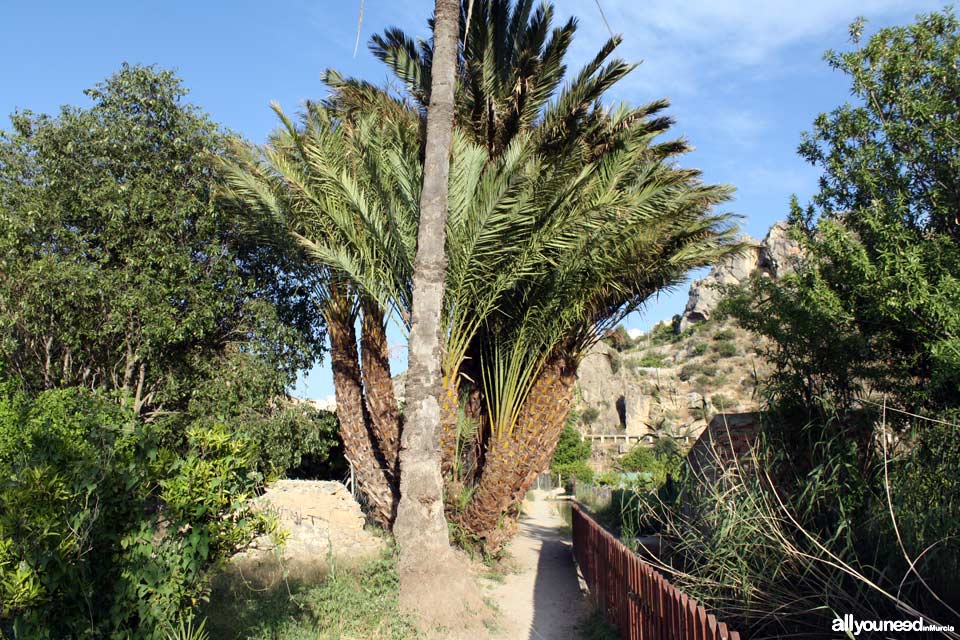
(542, 601)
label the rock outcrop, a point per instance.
(774, 256)
(320, 523)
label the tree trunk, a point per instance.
(512, 463)
(368, 464)
(448, 423)
(378, 388)
(431, 583)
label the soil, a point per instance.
(541, 598)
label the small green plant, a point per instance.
(590, 415)
(721, 402)
(652, 361)
(698, 349)
(725, 348)
(724, 334)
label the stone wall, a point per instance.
(727, 439)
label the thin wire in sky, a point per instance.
(356, 43)
(603, 15)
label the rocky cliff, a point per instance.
(775, 255)
(675, 378)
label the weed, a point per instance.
(594, 627)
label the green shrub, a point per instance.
(724, 334)
(689, 371)
(579, 470)
(725, 348)
(721, 402)
(698, 349)
(649, 360)
(662, 333)
(107, 526)
(639, 458)
(571, 448)
(590, 415)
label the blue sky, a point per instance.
(745, 77)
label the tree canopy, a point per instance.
(117, 269)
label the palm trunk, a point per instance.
(360, 450)
(378, 388)
(448, 423)
(428, 573)
(513, 462)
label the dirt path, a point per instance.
(541, 599)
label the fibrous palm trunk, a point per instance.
(513, 461)
(449, 418)
(378, 389)
(368, 465)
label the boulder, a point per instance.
(777, 254)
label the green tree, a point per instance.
(873, 308)
(117, 269)
(545, 252)
(572, 453)
(896, 148)
(867, 328)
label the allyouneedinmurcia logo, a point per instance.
(848, 624)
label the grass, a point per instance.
(354, 603)
(594, 627)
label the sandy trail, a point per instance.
(541, 600)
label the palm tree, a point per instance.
(509, 83)
(305, 185)
(546, 249)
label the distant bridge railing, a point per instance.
(647, 438)
(633, 595)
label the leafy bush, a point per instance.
(652, 360)
(724, 334)
(698, 349)
(571, 447)
(662, 333)
(691, 370)
(721, 402)
(590, 415)
(725, 348)
(105, 528)
(579, 470)
(639, 458)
